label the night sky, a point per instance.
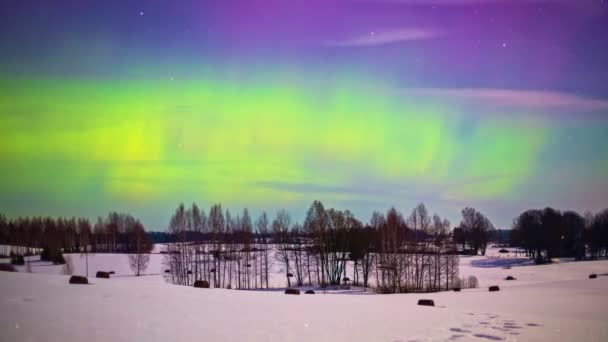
(136, 106)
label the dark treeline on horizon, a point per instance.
(326, 242)
(116, 233)
(550, 233)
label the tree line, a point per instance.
(549, 233)
(330, 248)
(116, 233)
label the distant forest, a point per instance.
(117, 233)
(331, 247)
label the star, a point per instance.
(141, 13)
(504, 45)
(372, 33)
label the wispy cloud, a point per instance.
(387, 37)
(465, 2)
(524, 99)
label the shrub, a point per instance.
(309, 292)
(426, 302)
(45, 255)
(7, 268)
(510, 278)
(201, 284)
(472, 282)
(494, 288)
(292, 291)
(101, 274)
(456, 289)
(78, 280)
(503, 251)
(17, 259)
(592, 276)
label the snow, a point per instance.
(554, 302)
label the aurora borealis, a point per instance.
(139, 105)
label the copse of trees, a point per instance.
(548, 233)
(331, 248)
(475, 231)
(117, 233)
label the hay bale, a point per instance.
(510, 278)
(7, 268)
(456, 289)
(79, 280)
(102, 274)
(426, 302)
(201, 284)
(494, 288)
(292, 291)
(309, 292)
(592, 276)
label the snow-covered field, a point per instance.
(554, 302)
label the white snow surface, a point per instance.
(555, 302)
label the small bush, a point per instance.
(510, 278)
(592, 276)
(426, 302)
(456, 289)
(309, 292)
(167, 271)
(78, 280)
(7, 268)
(17, 259)
(292, 291)
(503, 251)
(101, 274)
(472, 282)
(494, 288)
(201, 284)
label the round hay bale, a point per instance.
(79, 280)
(309, 292)
(456, 289)
(494, 288)
(7, 268)
(592, 276)
(102, 274)
(510, 278)
(201, 284)
(426, 302)
(292, 291)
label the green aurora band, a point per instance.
(251, 143)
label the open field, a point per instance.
(554, 302)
